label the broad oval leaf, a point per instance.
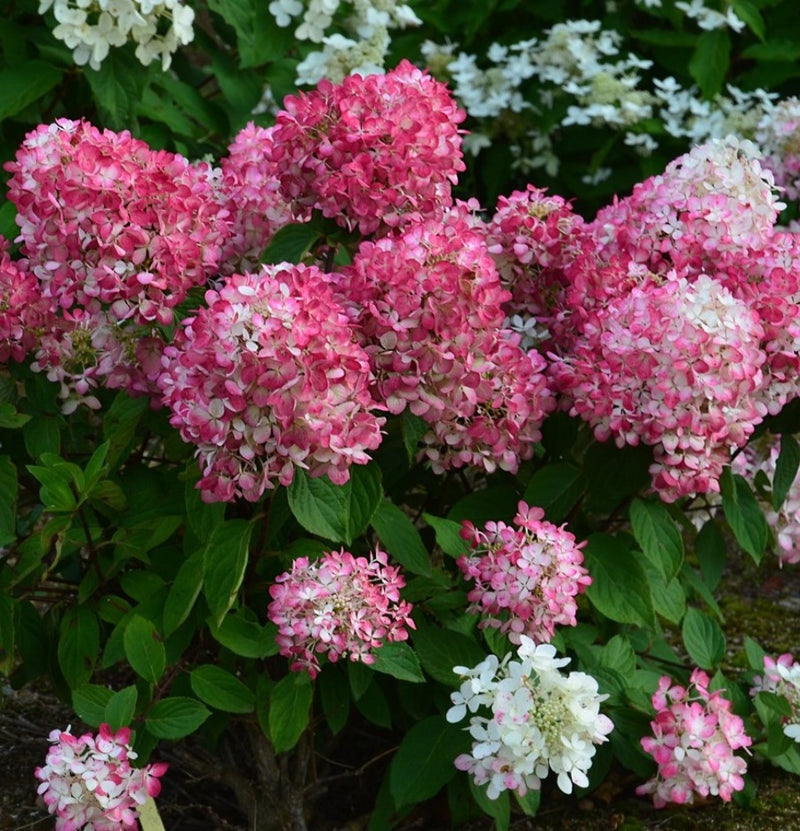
(174, 718)
(224, 563)
(289, 708)
(220, 689)
(144, 649)
(703, 639)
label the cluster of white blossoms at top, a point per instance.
(91, 27)
(537, 720)
(354, 34)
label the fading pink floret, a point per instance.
(527, 576)
(23, 311)
(676, 365)
(250, 190)
(373, 152)
(429, 309)
(339, 606)
(268, 378)
(695, 734)
(88, 781)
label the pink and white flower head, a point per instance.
(268, 378)
(695, 734)
(676, 365)
(527, 576)
(339, 606)
(88, 781)
(372, 152)
(782, 677)
(778, 136)
(715, 198)
(528, 719)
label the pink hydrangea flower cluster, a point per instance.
(250, 192)
(695, 734)
(762, 457)
(674, 364)
(23, 310)
(782, 677)
(115, 234)
(778, 136)
(371, 153)
(527, 576)
(340, 606)
(267, 378)
(88, 781)
(528, 719)
(429, 304)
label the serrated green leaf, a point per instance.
(711, 553)
(440, 650)
(744, 515)
(290, 243)
(448, 535)
(289, 708)
(785, 470)
(258, 38)
(246, 637)
(710, 62)
(658, 536)
(144, 649)
(337, 512)
(619, 589)
(42, 434)
(220, 689)
(224, 564)
(10, 419)
(703, 639)
(89, 702)
(120, 708)
(556, 488)
(176, 717)
(78, 645)
(117, 87)
(183, 592)
(399, 661)
(400, 538)
(21, 85)
(755, 654)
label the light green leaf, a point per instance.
(448, 535)
(710, 62)
(89, 702)
(183, 592)
(555, 488)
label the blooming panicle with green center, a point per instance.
(339, 606)
(88, 781)
(526, 576)
(537, 721)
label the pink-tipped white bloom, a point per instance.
(340, 606)
(782, 677)
(695, 734)
(530, 720)
(526, 577)
(268, 378)
(88, 781)
(372, 153)
(778, 136)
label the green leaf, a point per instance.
(440, 650)
(202, 517)
(775, 51)
(183, 592)
(669, 598)
(556, 488)
(89, 702)
(119, 424)
(711, 553)
(337, 512)
(224, 563)
(175, 718)
(258, 37)
(220, 689)
(413, 428)
(117, 87)
(710, 62)
(289, 708)
(785, 470)
(42, 434)
(423, 763)
(703, 639)
(401, 538)
(618, 654)
(448, 535)
(244, 636)
(78, 645)
(121, 707)
(10, 419)
(529, 804)
(755, 654)
(7, 635)
(291, 243)
(144, 649)
(22, 85)
(748, 12)
(399, 661)
(657, 534)
(619, 588)
(334, 692)
(744, 514)
(8, 501)
(498, 809)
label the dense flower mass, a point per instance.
(88, 781)
(267, 378)
(695, 734)
(778, 135)
(782, 677)
(23, 310)
(340, 606)
(372, 153)
(91, 27)
(537, 721)
(526, 577)
(430, 316)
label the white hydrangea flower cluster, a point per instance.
(539, 721)
(778, 135)
(710, 19)
(354, 34)
(91, 27)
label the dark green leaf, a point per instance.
(144, 649)
(290, 243)
(658, 536)
(448, 535)
(414, 428)
(89, 702)
(744, 514)
(710, 62)
(755, 654)
(8, 501)
(555, 488)
(440, 650)
(220, 689)
(117, 87)
(703, 639)
(785, 470)
(711, 553)
(246, 637)
(399, 661)
(183, 592)
(78, 645)
(400, 538)
(174, 718)
(10, 419)
(289, 706)
(121, 707)
(334, 691)
(498, 809)
(748, 12)
(42, 434)
(22, 85)
(224, 563)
